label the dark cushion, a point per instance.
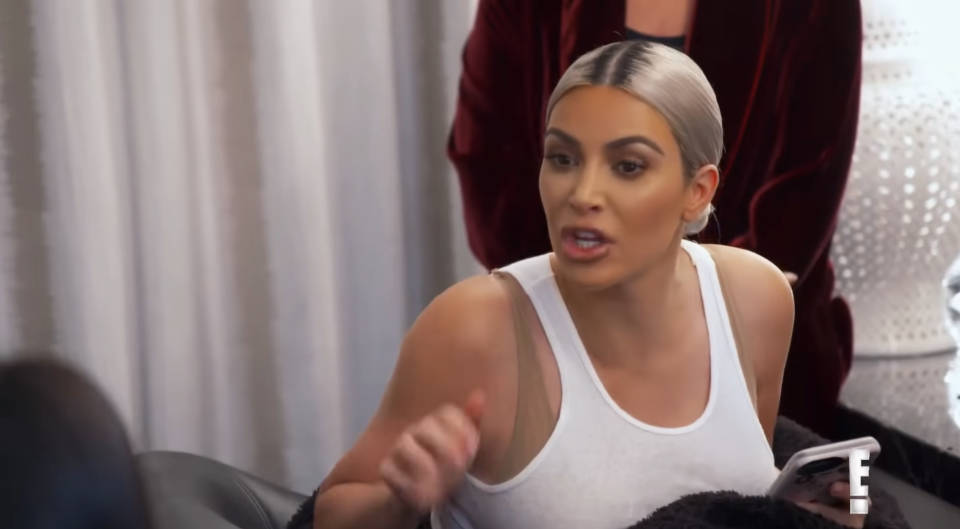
(191, 492)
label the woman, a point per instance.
(65, 462)
(594, 384)
(787, 78)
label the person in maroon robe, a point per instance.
(787, 78)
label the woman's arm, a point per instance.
(760, 297)
(763, 300)
(456, 347)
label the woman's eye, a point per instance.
(630, 167)
(561, 160)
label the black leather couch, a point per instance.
(185, 491)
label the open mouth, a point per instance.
(584, 243)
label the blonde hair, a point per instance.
(668, 81)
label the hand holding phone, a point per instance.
(808, 475)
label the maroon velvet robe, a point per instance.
(787, 77)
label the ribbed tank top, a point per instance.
(601, 468)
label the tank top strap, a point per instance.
(713, 302)
(530, 272)
(712, 294)
(714, 305)
(536, 277)
(700, 255)
(720, 317)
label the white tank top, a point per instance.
(602, 468)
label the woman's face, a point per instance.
(613, 187)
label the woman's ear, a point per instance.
(700, 192)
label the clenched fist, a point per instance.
(431, 458)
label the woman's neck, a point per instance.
(659, 18)
(645, 309)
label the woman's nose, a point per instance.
(588, 194)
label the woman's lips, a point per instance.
(583, 244)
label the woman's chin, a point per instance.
(593, 275)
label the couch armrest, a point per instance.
(185, 491)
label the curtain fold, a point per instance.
(295, 147)
(244, 205)
(85, 162)
(9, 332)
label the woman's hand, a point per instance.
(841, 514)
(429, 460)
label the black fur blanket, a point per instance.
(729, 510)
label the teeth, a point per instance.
(586, 239)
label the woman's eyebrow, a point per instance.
(615, 144)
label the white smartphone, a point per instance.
(809, 473)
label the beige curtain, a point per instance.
(229, 212)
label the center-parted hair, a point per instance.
(668, 81)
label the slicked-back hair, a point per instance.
(668, 81)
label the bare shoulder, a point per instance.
(458, 344)
(757, 288)
(762, 299)
(469, 318)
